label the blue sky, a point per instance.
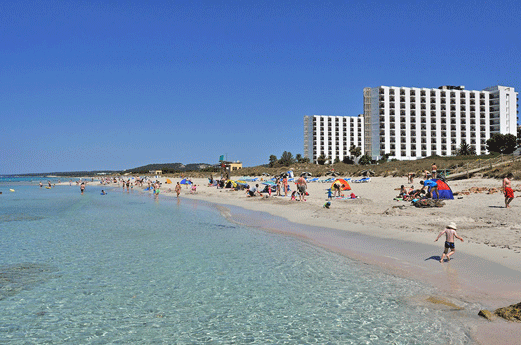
(92, 85)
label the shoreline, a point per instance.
(396, 224)
(365, 230)
(489, 275)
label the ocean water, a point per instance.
(125, 268)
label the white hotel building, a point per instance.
(332, 136)
(410, 123)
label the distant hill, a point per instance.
(170, 168)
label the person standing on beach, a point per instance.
(337, 187)
(301, 187)
(277, 182)
(411, 177)
(285, 183)
(507, 188)
(450, 233)
(434, 170)
(177, 189)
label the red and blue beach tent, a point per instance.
(443, 190)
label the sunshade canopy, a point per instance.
(344, 185)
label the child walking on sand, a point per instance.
(450, 233)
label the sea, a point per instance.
(127, 268)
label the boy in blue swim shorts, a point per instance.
(450, 233)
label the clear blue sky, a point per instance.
(88, 85)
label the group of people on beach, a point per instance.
(428, 189)
(297, 195)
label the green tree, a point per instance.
(466, 149)
(510, 143)
(286, 159)
(365, 159)
(385, 158)
(301, 159)
(337, 160)
(348, 160)
(502, 143)
(273, 161)
(322, 159)
(355, 151)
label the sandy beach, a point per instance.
(490, 230)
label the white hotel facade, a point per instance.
(332, 136)
(411, 123)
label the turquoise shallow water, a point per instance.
(127, 269)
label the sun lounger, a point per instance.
(362, 180)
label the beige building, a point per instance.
(232, 166)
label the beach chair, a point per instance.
(362, 180)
